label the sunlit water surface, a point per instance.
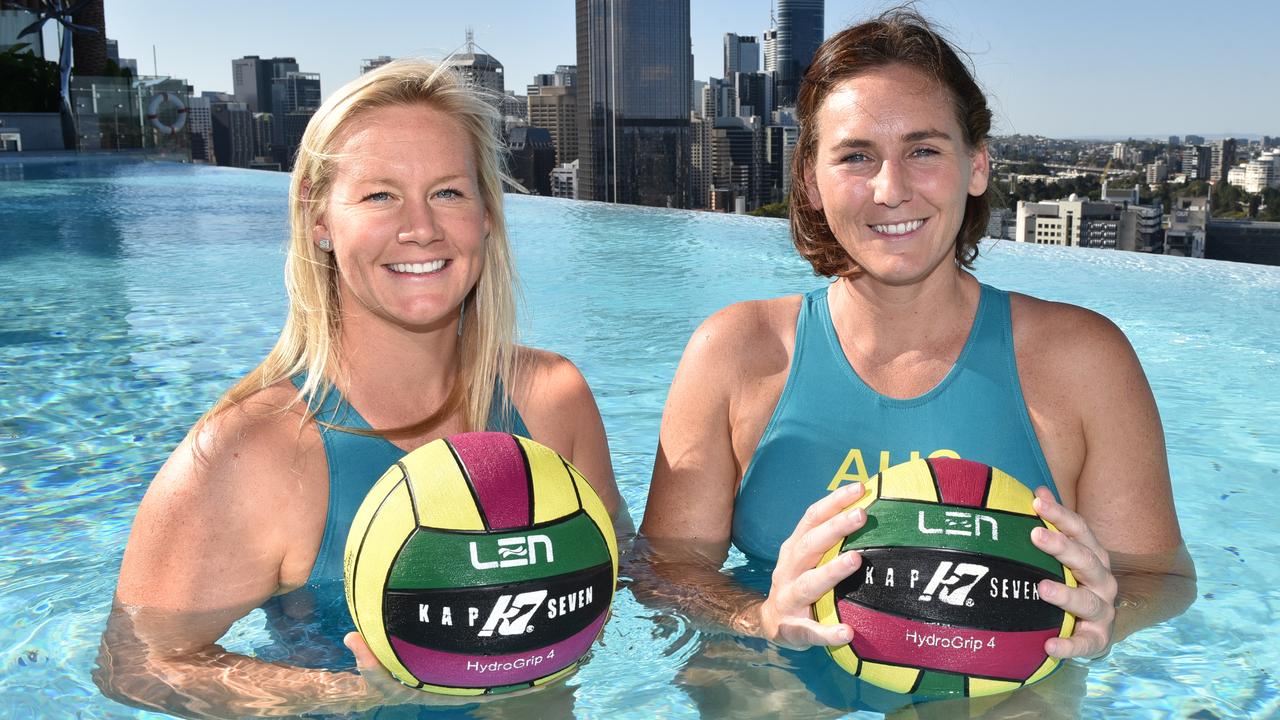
(133, 294)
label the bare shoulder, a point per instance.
(752, 338)
(546, 382)
(266, 432)
(560, 411)
(238, 486)
(1066, 338)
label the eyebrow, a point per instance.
(390, 181)
(915, 136)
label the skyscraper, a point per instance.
(295, 97)
(634, 73)
(481, 70)
(1222, 155)
(553, 104)
(251, 78)
(741, 54)
(800, 28)
(771, 50)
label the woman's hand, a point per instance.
(1093, 600)
(786, 615)
(382, 688)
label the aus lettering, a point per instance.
(854, 467)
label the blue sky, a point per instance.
(1084, 68)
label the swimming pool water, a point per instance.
(132, 294)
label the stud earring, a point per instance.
(324, 244)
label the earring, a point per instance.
(324, 244)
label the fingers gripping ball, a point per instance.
(946, 602)
(480, 563)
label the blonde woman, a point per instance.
(400, 330)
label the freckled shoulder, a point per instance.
(243, 495)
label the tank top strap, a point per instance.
(818, 349)
(356, 461)
(990, 343)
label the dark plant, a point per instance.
(61, 12)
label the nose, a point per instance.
(420, 223)
(889, 185)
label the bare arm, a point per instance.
(215, 536)
(689, 516)
(1123, 539)
(561, 412)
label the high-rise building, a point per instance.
(754, 94)
(1157, 172)
(1222, 157)
(1081, 222)
(514, 107)
(800, 32)
(295, 97)
(1195, 162)
(232, 133)
(634, 73)
(481, 69)
(720, 99)
(567, 75)
(1193, 140)
(741, 54)
(1188, 222)
(532, 158)
(1174, 141)
(262, 154)
(251, 78)
(564, 181)
(771, 50)
(200, 124)
(1262, 172)
(555, 107)
(779, 145)
(737, 159)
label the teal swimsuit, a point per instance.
(306, 625)
(831, 428)
(355, 464)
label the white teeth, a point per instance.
(901, 228)
(418, 268)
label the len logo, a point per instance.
(514, 552)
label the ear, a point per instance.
(979, 170)
(811, 187)
(320, 230)
(488, 225)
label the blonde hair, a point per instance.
(309, 342)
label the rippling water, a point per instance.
(133, 294)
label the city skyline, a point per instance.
(1086, 72)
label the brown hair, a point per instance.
(900, 36)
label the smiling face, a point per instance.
(892, 173)
(405, 218)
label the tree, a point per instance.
(775, 210)
(27, 83)
(1270, 206)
